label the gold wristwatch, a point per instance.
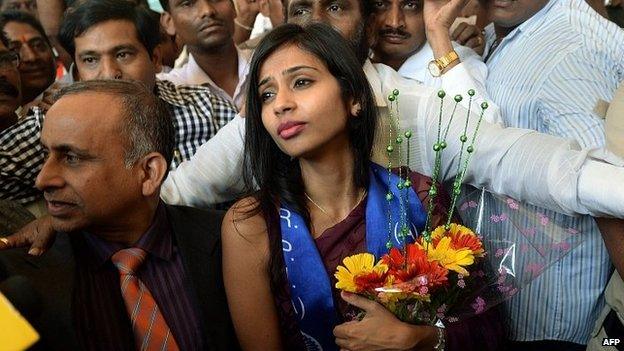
(437, 66)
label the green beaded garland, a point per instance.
(484, 105)
(471, 92)
(400, 186)
(407, 183)
(436, 147)
(404, 230)
(447, 227)
(391, 98)
(399, 140)
(469, 149)
(395, 92)
(388, 245)
(389, 197)
(456, 191)
(433, 192)
(390, 148)
(463, 138)
(458, 98)
(443, 145)
(408, 134)
(441, 94)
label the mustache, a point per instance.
(210, 22)
(394, 31)
(9, 89)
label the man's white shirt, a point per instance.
(470, 73)
(192, 74)
(526, 165)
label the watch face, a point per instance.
(434, 69)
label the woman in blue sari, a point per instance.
(316, 199)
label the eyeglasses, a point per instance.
(9, 59)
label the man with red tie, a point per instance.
(126, 272)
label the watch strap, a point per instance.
(447, 59)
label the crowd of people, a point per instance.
(153, 156)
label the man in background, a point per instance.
(128, 272)
(10, 86)
(37, 62)
(401, 43)
(550, 62)
(206, 27)
(112, 39)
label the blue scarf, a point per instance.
(310, 287)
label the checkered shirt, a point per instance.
(198, 115)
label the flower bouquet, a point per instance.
(444, 274)
(419, 282)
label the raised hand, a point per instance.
(246, 11)
(274, 10)
(439, 15)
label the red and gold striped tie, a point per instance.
(151, 331)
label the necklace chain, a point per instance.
(327, 213)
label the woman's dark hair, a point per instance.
(81, 18)
(267, 168)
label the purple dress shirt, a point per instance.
(99, 313)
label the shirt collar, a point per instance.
(199, 76)
(374, 80)
(156, 241)
(531, 24)
(528, 27)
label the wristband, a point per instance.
(238, 23)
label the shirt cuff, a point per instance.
(600, 189)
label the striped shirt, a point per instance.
(548, 75)
(100, 316)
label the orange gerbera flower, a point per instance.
(414, 266)
(461, 238)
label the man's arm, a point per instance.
(467, 73)
(51, 17)
(213, 174)
(537, 168)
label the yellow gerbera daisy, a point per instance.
(449, 258)
(360, 273)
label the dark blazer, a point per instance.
(197, 234)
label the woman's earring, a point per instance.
(356, 110)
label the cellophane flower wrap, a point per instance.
(456, 271)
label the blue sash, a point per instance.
(310, 287)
